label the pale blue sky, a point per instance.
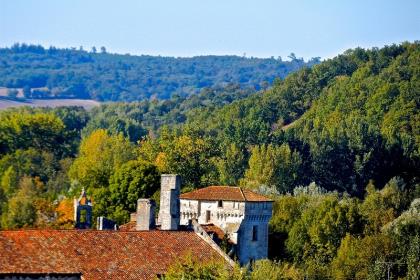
(260, 28)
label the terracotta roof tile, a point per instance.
(98, 254)
(224, 193)
(130, 226)
(251, 196)
(217, 232)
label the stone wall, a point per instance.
(145, 218)
(230, 212)
(253, 232)
(238, 220)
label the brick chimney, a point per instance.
(169, 213)
(145, 216)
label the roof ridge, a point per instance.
(69, 251)
(242, 192)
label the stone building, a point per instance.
(241, 214)
(145, 247)
(138, 250)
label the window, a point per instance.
(207, 216)
(220, 204)
(254, 233)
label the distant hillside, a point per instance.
(71, 73)
(52, 103)
(353, 118)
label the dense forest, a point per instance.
(76, 73)
(336, 146)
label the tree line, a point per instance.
(76, 73)
(336, 146)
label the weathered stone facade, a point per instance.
(253, 232)
(169, 202)
(245, 222)
(214, 213)
(145, 217)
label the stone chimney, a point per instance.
(133, 217)
(145, 216)
(169, 215)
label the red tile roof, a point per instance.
(224, 193)
(130, 226)
(98, 254)
(214, 230)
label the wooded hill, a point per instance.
(71, 73)
(337, 147)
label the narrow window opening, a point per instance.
(220, 204)
(207, 216)
(255, 233)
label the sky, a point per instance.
(259, 28)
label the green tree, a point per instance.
(188, 153)
(413, 259)
(356, 257)
(273, 166)
(266, 269)
(231, 168)
(41, 131)
(9, 181)
(191, 268)
(115, 120)
(380, 207)
(20, 209)
(405, 233)
(99, 156)
(131, 181)
(315, 237)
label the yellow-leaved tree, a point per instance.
(99, 156)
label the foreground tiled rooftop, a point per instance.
(98, 254)
(224, 193)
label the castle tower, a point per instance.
(83, 211)
(169, 213)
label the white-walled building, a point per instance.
(241, 214)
